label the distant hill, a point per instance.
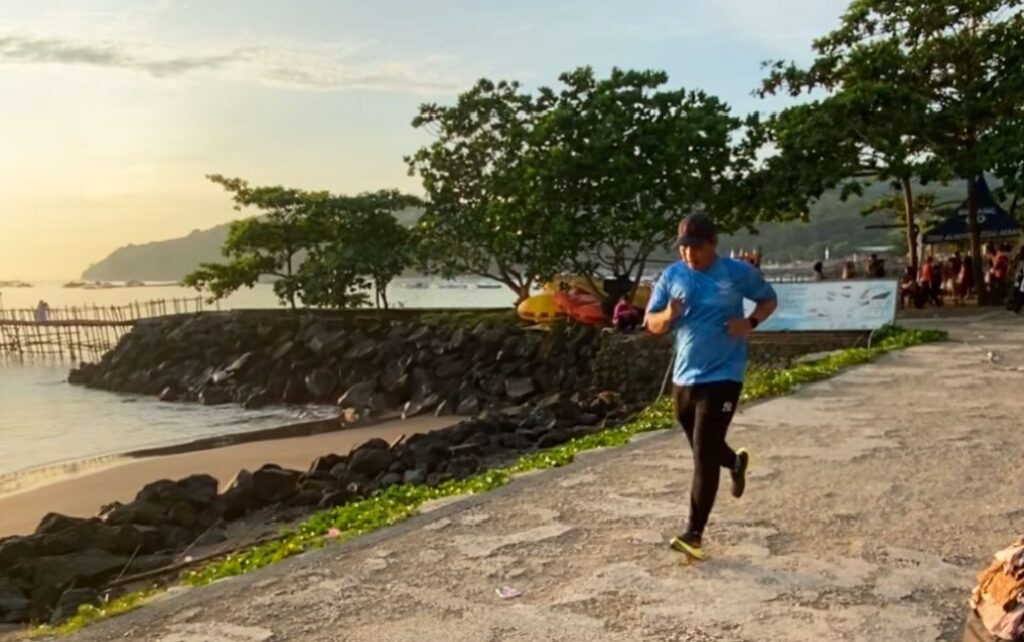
(171, 260)
(167, 260)
(834, 224)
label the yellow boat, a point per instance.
(640, 299)
(540, 308)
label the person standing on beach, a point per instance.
(700, 300)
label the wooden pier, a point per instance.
(80, 333)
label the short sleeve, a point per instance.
(660, 295)
(752, 285)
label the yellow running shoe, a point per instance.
(688, 544)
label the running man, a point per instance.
(700, 300)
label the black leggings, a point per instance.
(705, 412)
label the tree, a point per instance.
(266, 245)
(347, 244)
(867, 129)
(223, 279)
(483, 214)
(1007, 149)
(361, 245)
(622, 159)
(963, 59)
(591, 176)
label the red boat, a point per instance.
(582, 307)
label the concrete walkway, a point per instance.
(875, 499)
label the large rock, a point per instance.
(84, 568)
(469, 406)
(324, 343)
(420, 405)
(325, 463)
(55, 523)
(363, 351)
(14, 549)
(520, 389)
(272, 485)
(197, 490)
(295, 390)
(282, 351)
(69, 602)
(214, 397)
(14, 605)
(321, 383)
(240, 495)
(451, 368)
(359, 395)
(369, 462)
(143, 513)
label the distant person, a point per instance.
(1000, 267)
(625, 317)
(849, 270)
(872, 266)
(930, 282)
(965, 280)
(819, 271)
(953, 265)
(908, 288)
(42, 311)
(1015, 299)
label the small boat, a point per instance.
(418, 285)
(489, 286)
(14, 284)
(540, 308)
(453, 285)
(581, 306)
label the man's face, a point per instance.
(699, 257)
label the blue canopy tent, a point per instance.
(993, 221)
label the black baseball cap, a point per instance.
(697, 229)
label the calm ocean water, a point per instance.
(44, 421)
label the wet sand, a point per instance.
(82, 495)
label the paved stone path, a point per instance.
(874, 500)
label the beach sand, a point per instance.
(82, 495)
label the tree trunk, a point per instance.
(523, 292)
(974, 232)
(291, 284)
(908, 207)
(382, 292)
(636, 282)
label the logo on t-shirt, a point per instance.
(727, 406)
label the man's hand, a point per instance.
(739, 328)
(661, 322)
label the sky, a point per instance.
(114, 111)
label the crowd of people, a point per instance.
(951, 278)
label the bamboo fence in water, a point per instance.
(80, 333)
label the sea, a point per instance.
(49, 426)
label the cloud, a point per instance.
(312, 67)
(15, 49)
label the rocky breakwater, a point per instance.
(368, 365)
(524, 391)
(67, 562)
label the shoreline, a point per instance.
(43, 474)
(80, 488)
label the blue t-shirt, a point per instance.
(705, 352)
